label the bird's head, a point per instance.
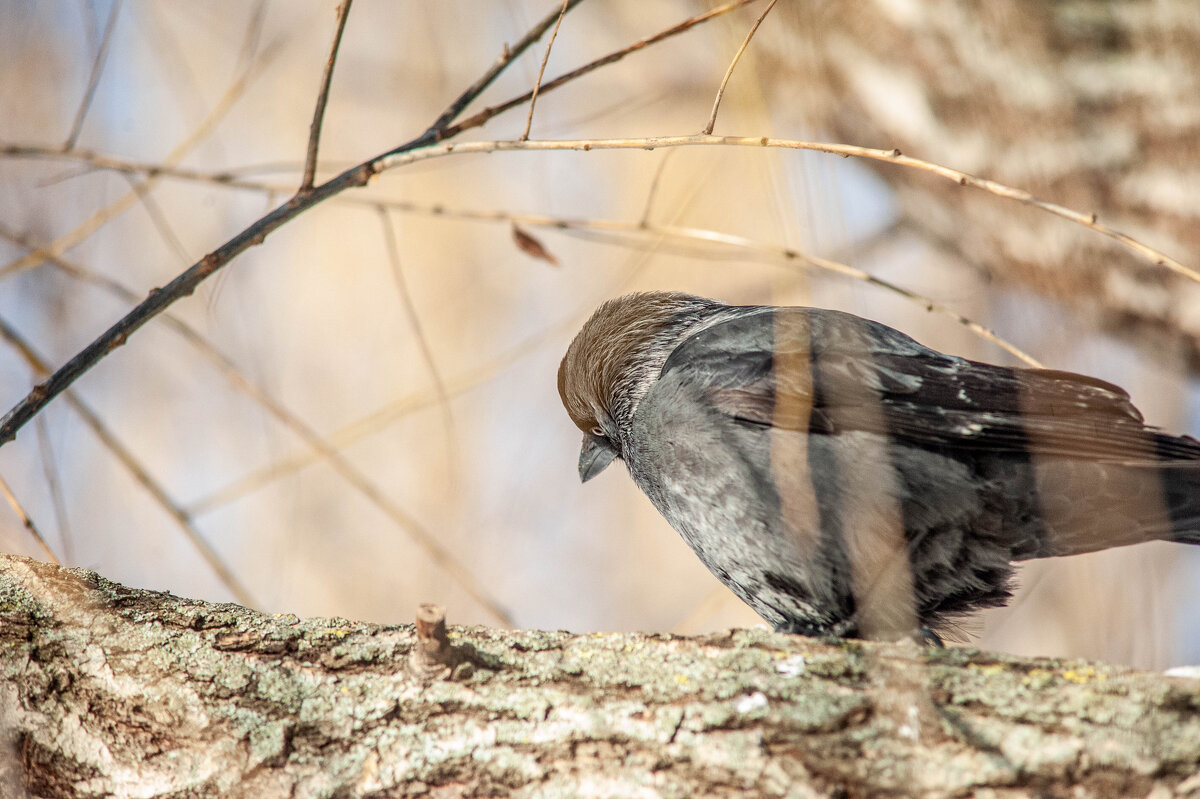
(613, 361)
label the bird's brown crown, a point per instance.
(619, 338)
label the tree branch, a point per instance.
(314, 131)
(105, 690)
(94, 78)
(356, 176)
(712, 118)
(542, 71)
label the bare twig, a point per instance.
(414, 318)
(542, 71)
(322, 448)
(654, 184)
(158, 219)
(1089, 221)
(57, 500)
(858, 274)
(254, 30)
(712, 119)
(788, 254)
(379, 419)
(94, 78)
(25, 520)
(314, 130)
(95, 161)
(439, 129)
(119, 206)
(186, 283)
(356, 431)
(214, 560)
(486, 114)
(584, 224)
(743, 244)
(135, 468)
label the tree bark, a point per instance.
(107, 690)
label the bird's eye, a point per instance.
(598, 431)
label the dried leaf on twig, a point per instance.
(531, 246)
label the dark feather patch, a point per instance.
(761, 369)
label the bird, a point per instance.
(843, 479)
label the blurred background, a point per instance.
(361, 414)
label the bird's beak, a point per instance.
(594, 457)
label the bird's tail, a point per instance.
(1181, 497)
(1086, 507)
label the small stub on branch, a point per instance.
(434, 657)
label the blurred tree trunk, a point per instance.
(105, 690)
(1092, 104)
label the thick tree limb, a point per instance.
(105, 690)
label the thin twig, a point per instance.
(542, 71)
(54, 484)
(254, 30)
(986, 185)
(600, 224)
(381, 418)
(93, 161)
(94, 78)
(712, 119)
(159, 219)
(135, 469)
(1090, 221)
(410, 308)
(314, 130)
(214, 560)
(126, 201)
(789, 254)
(486, 114)
(15, 504)
(439, 386)
(741, 243)
(652, 194)
(438, 130)
(187, 281)
(322, 448)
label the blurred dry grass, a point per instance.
(319, 321)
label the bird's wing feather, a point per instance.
(827, 372)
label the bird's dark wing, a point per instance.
(827, 372)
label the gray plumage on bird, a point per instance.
(843, 479)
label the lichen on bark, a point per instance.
(105, 690)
